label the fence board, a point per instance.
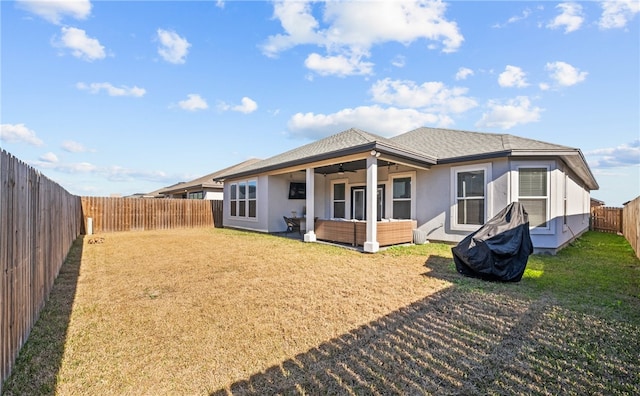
(606, 219)
(131, 214)
(39, 221)
(631, 226)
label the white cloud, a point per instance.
(338, 65)
(19, 133)
(399, 61)
(544, 86)
(525, 14)
(247, 106)
(627, 154)
(564, 74)
(383, 121)
(119, 174)
(463, 73)
(617, 13)
(350, 29)
(81, 45)
(571, 17)
(111, 89)
(73, 168)
(74, 147)
(512, 76)
(54, 10)
(49, 157)
(505, 116)
(429, 96)
(193, 102)
(173, 48)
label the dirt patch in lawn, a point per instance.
(219, 311)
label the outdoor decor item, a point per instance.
(499, 250)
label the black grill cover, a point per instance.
(499, 250)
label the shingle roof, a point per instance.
(445, 144)
(426, 145)
(351, 140)
(207, 180)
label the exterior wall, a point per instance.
(273, 202)
(433, 199)
(436, 201)
(280, 205)
(260, 223)
(436, 198)
(562, 183)
(576, 221)
(213, 195)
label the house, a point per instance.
(595, 203)
(205, 187)
(446, 182)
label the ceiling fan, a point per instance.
(341, 170)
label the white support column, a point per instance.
(371, 244)
(310, 235)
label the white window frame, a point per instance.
(488, 179)
(515, 183)
(346, 197)
(245, 201)
(391, 200)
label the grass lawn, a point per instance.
(216, 311)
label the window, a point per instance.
(402, 198)
(470, 197)
(243, 199)
(233, 200)
(533, 194)
(196, 195)
(339, 202)
(251, 199)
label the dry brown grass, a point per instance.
(215, 311)
(191, 311)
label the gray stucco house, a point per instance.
(448, 182)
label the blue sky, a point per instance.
(120, 97)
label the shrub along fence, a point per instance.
(137, 214)
(39, 220)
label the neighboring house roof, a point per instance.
(424, 147)
(206, 181)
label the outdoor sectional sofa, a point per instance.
(354, 232)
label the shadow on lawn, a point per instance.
(37, 366)
(460, 342)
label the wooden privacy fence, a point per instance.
(631, 226)
(39, 220)
(137, 214)
(606, 219)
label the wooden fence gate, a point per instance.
(606, 219)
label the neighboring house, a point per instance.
(596, 203)
(204, 187)
(450, 182)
